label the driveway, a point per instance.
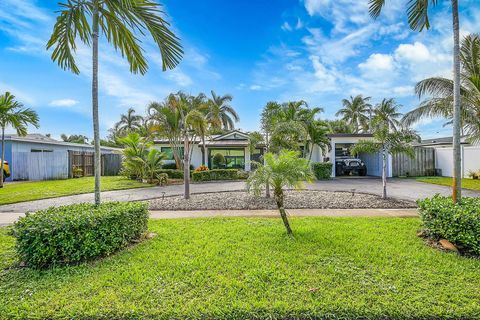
(406, 189)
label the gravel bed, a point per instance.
(239, 200)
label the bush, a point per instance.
(173, 166)
(77, 172)
(322, 170)
(458, 223)
(79, 232)
(202, 168)
(162, 179)
(474, 174)
(218, 160)
(215, 174)
(172, 173)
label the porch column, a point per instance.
(247, 159)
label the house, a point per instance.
(40, 157)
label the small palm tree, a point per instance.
(356, 113)
(130, 121)
(221, 115)
(417, 12)
(280, 171)
(120, 22)
(387, 113)
(12, 113)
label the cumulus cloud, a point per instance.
(377, 64)
(63, 103)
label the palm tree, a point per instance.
(337, 126)
(130, 122)
(356, 113)
(387, 112)
(12, 113)
(439, 93)
(75, 138)
(417, 11)
(221, 114)
(120, 22)
(283, 170)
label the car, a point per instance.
(345, 166)
(6, 169)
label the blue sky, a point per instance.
(257, 50)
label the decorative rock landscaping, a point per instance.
(241, 200)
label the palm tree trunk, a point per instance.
(186, 167)
(267, 185)
(3, 157)
(384, 174)
(96, 126)
(279, 199)
(457, 166)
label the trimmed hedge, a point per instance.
(173, 166)
(322, 170)
(172, 173)
(79, 232)
(458, 223)
(216, 174)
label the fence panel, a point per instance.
(423, 164)
(111, 164)
(40, 166)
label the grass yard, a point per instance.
(27, 191)
(234, 268)
(447, 181)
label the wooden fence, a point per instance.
(39, 166)
(111, 163)
(423, 164)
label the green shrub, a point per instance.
(215, 174)
(322, 170)
(173, 166)
(458, 223)
(172, 173)
(218, 160)
(79, 232)
(162, 179)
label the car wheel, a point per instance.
(362, 172)
(339, 171)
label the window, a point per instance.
(169, 152)
(40, 150)
(343, 150)
(234, 158)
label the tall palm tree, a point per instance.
(221, 114)
(130, 121)
(120, 22)
(417, 11)
(12, 113)
(439, 93)
(356, 112)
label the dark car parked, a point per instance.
(345, 166)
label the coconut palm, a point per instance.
(386, 113)
(130, 121)
(439, 93)
(337, 126)
(280, 171)
(120, 22)
(74, 138)
(221, 114)
(417, 12)
(12, 113)
(356, 113)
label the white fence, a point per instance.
(470, 160)
(39, 165)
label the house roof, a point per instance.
(43, 139)
(239, 139)
(348, 135)
(442, 141)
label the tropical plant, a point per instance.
(135, 152)
(280, 171)
(152, 164)
(75, 138)
(254, 139)
(439, 93)
(356, 112)
(221, 115)
(121, 22)
(337, 126)
(386, 113)
(129, 122)
(386, 140)
(12, 113)
(417, 12)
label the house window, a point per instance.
(40, 150)
(234, 158)
(169, 152)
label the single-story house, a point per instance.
(40, 157)
(234, 146)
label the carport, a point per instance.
(341, 143)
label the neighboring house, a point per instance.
(341, 144)
(444, 155)
(39, 157)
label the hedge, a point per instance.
(173, 166)
(79, 232)
(172, 173)
(459, 223)
(322, 170)
(217, 174)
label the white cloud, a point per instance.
(286, 26)
(63, 103)
(415, 53)
(377, 63)
(179, 77)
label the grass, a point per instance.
(447, 181)
(35, 190)
(235, 268)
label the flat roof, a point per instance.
(347, 135)
(41, 139)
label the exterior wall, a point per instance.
(470, 160)
(196, 159)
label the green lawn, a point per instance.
(447, 181)
(26, 191)
(234, 268)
